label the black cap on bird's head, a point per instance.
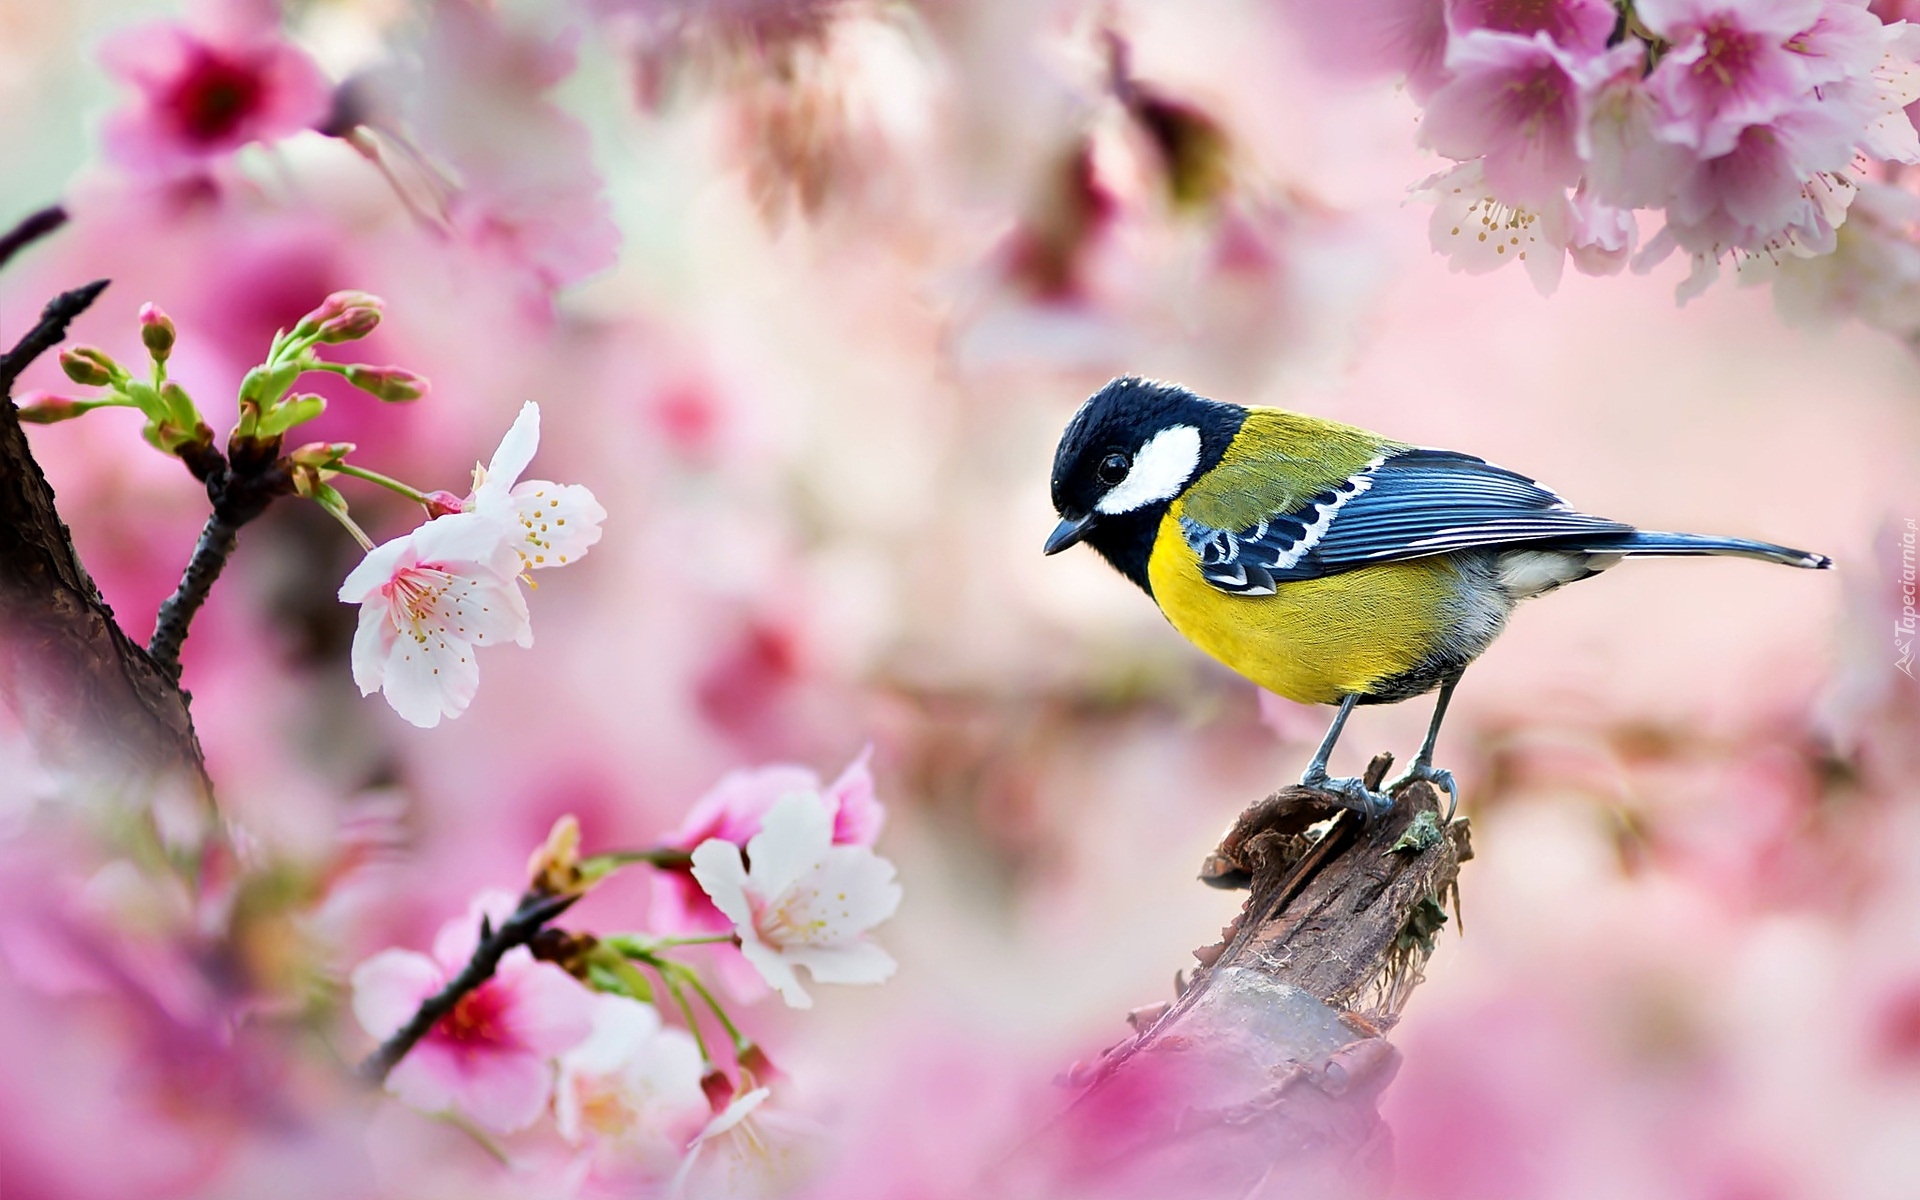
(1133, 446)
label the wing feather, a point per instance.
(1410, 504)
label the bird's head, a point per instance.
(1133, 446)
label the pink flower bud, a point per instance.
(44, 408)
(342, 317)
(392, 384)
(89, 365)
(718, 1089)
(320, 454)
(445, 504)
(754, 1061)
(156, 332)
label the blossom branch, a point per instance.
(537, 907)
(241, 485)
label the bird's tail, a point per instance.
(1642, 541)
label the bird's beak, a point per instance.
(1067, 532)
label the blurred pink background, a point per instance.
(818, 391)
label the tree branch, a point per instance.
(217, 540)
(536, 908)
(80, 685)
(30, 230)
(1262, 1078)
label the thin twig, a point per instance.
(535, 910)
(217, 540)
(30, 230)
(49, 332)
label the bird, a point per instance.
(1325, 562)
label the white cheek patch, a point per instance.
(1160, 470)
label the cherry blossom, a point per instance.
(804, 902)
(631, 1091)
(1578, 25)
(748, 1151)
(1728, 67)
(548, 524)
(1479, 233)
(427, 601)
(1515, 103)
(733, 809)
(205, 91)
(491, 1058)
(1628, 163)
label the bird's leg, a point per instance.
(1422, 767)
(1353, 793)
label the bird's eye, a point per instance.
(1113, 468)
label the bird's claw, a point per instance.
(1425, 772)
(1352, 793)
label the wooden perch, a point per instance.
(86, 693)
(1261, 1078)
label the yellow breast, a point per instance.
(1316, 640)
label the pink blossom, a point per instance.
(630, 1093)
(732, 811)
(1628, 164)
(527, 190)
(1763, 190)
(427, 601)
(1728, 67)
(1516, 103)
(548, 524)
(1600, 237)
(205, 92)
(804, 901)
(491, 1058)
(1578, 25)
(1478, 233)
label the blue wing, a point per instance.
(1411, 504)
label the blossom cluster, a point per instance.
(576, 1034)
(1745, 127)
(430, 598)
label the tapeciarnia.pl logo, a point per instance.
(1903, 625)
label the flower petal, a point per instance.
(388, 989)
(372, 643)
(776, 970)
(463, 539)
(558, 522)
(377, 569)
(427, 678)
(847, 962)
(793, 840)
(852, 891)
(717, 867)
(551, 1012)
(516, 449)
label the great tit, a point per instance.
(1324, 562)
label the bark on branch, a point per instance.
(85, 692)
(1261, 1078)
(535, 909)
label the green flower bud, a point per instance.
(90, 366)
(179, 405)
(288, 413)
